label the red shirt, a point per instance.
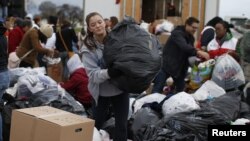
(14, 38)
(77, 85)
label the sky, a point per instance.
(33, 10)
(60, 2)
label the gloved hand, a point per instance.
(114, 72)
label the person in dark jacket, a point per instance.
(179, 47)
(67, 35)
(77, 85)
(4, 73)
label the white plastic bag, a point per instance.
(180, 102)
(155, 97)
(96, 135)
(228, 73)
(208, 90)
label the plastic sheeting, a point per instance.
(135, 52)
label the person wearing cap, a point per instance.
(4, 74)
(32, 41)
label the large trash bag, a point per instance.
(227, 105)
(247, 93)
(143, 117)
(194, 124)
(153, 133)
(227, 73)
(135, 52)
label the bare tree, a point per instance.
(70, 12)
(47, 9)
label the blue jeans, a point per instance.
(160, 81)
(4, 11)
(4, 84)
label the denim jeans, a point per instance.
(160, 81)
(4, 84)
(4, 11)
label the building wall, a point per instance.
(211, 9)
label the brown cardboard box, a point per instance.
(175, 20)
(55, 72)
(49, 124)
(163, 38)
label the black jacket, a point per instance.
(69, 36)
(3, 50)
(179, 47)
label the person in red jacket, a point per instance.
(77, 85)
(16, 35)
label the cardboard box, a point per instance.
(163, 38)
(175, 20)
(55, 72)
(49, 124)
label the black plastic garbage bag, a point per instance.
(153, 133)
(227, 105)
(144, 116)
(135, 52)
(194, 124)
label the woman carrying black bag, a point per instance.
(103, 92)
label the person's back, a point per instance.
(173, 51)
(77, 85)
(68, 35)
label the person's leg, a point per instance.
(100, 111)
(5, 12)
(159, 82)
(120, 104)
(4, 84)
(180, 83)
